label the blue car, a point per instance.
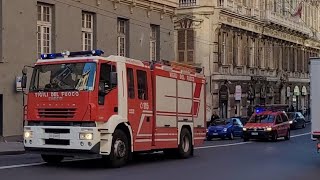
(228, 128)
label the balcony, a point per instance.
(187, 3)
(235, 7)
(286, 21)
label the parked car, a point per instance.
(225, 128)
(297, 120)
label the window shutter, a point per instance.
(235, 50)
(181, 45)
(292, 60)
(190, 45)
(220, 49)
(229, 48)
(284, 58)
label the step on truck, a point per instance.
(315, 99)
(80, 104)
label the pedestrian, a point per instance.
(291, 109)
(214, 117)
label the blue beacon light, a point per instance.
(72, 54)
(259, 110)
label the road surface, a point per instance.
(217, 159)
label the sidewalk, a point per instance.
(11, 146)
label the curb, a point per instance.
(12, 152)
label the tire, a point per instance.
(209, 138)
(185, 148)
(52, 159)
(245, 139)
(287, 137)
(120, 150)
(231, 137)
(304, 124)
(274, 136)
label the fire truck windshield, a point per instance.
(63, 77)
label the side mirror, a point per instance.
(24, 81)
(24, 71)
(114, 78)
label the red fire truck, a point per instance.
(83, 104)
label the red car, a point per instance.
(267, 125)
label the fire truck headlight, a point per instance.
(27, 134)
(86, 136)
(244, 129)
(290, 122)
(268, 129)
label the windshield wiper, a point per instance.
(67, 89)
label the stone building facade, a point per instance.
(140, 29)
(254, 52)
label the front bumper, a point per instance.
(61, 140)
(220, 134)
(257, 134)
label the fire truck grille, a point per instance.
(56, 112)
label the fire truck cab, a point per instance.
(83, 104)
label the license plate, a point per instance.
(214, 134)
(54, 136)
(254, 133)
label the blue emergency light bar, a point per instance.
(72, 54)
(274, 108)
(260, 110)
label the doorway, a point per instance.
(237, 109)
(1, 115)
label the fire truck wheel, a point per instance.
(52, 159)
(185, 147)
(120, 149)
(288, 135)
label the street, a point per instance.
(217, 159)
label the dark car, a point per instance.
(222, 128)
(297, 120)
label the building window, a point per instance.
(87, 31)
(122, 37)
(223, 51)
(154, 42)
(44, 29)
(187, 3)
(252, 51)
(186, 45)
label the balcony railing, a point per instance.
(268, 15)
(232, 5)
(187, 3)
(286, 21)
